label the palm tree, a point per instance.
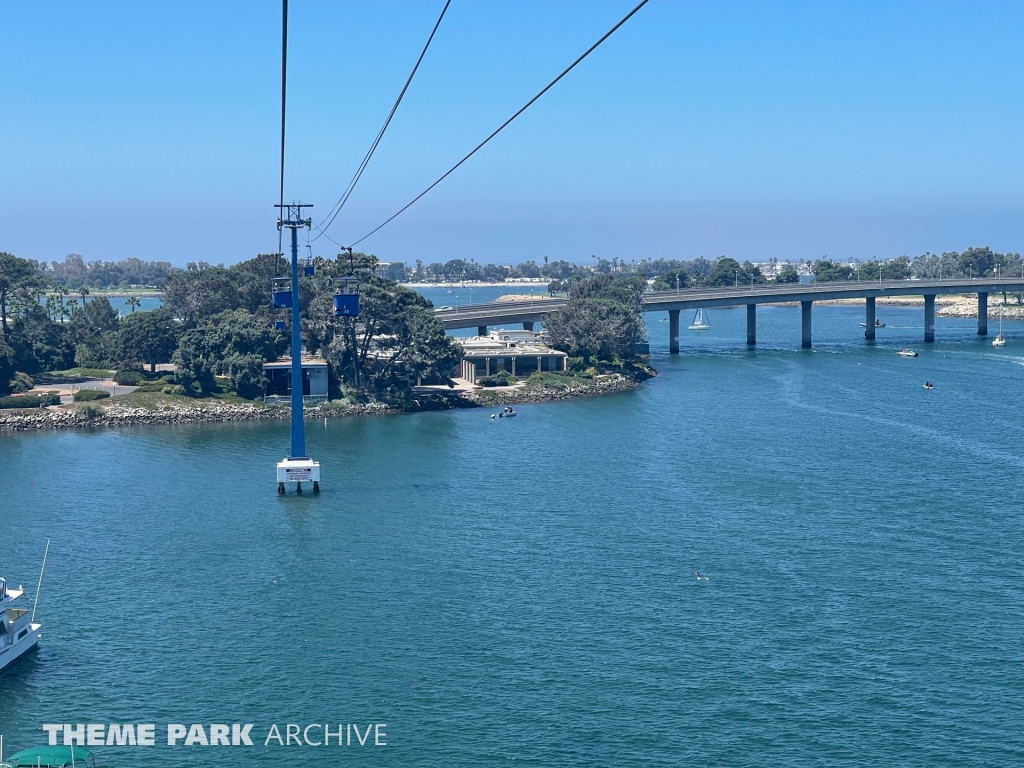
(133, 302)
(83, 292)
(62, 293)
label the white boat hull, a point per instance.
(23, 646)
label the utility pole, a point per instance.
(298, 466)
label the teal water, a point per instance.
(522, 591)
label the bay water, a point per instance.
(523, 591)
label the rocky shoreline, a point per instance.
(113, 414)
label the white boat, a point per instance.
(700, 322)
(907, 353)
(19, 632)
(999, 341)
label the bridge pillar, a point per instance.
(929, 318)
(481, 330)
(805, 317)
(751, 324)
(673, 331)
(527, 325)
(869, 318)
(982, 314)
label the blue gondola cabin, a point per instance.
(346, 296)
(282, 292)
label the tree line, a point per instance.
(74, 272)
(218, 326)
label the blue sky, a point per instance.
(754, 130)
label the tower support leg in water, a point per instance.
(316, 487)
(298, 488)
(280, 487)
(805, 323)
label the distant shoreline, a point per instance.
(468, 285)
(116, 293)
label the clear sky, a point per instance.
(749, 129)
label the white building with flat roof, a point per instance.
(279, 380)
(518, 352)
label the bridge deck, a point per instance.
(500, 313)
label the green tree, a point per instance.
(671, 280)
(93, 331)
(977, 262)
(133, 302)
(40, 344)
(6, 367)
(195, 362)
(234, 343)
(602, 319)
(22, 281)
(200, 292)
(828, 271)
(396, 336)
(254, 279)
(788, 275)
(147, 338)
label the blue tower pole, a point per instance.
(298, 427)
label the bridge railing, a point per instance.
(769, 289)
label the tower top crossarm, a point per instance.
(291, 216)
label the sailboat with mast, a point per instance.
(700, 321)
(999, 341)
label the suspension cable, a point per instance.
(522, 109)
(284, 88)
(333, 213)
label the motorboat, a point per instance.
(18, 632)
(700, 321)
(508, 413)
(907, 353)
(51, 757)
(878, 324)
(929, 385)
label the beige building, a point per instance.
(518, 352)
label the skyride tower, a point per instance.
(297, 467)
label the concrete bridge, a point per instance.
(529, 312)
(499, 313)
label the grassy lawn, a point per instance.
(552, 381)
(155, 400)
(76, 373)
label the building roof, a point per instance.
(308, 361)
